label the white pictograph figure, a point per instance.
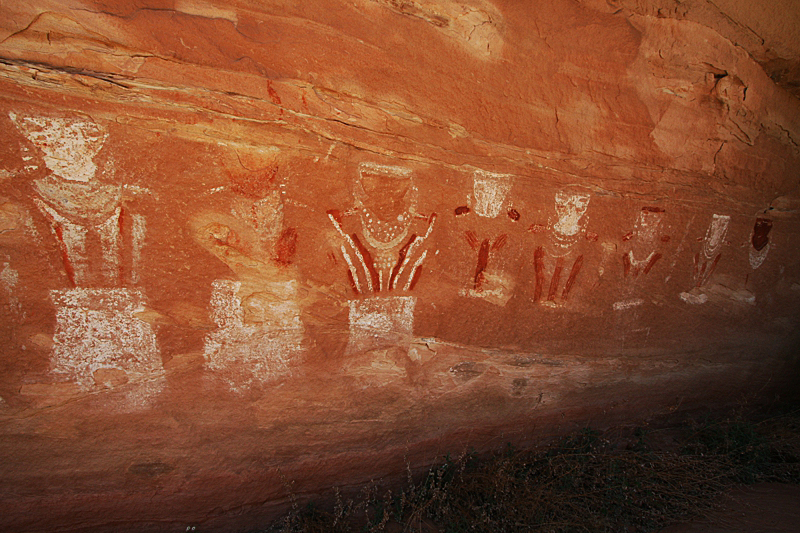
(490, 190)
(96, 328)
(380, 319)
(393, 232)
(641, 252)
(643, 249)
(259, 328)
(489, 199)
(565, 229)
(705, 261)
(570, 223)
(382, 243)
(8, 281)
(79, 207)
(257, 336)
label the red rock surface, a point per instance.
(254, 249)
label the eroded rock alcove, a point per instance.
(253, 248)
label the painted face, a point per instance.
(570, 208)
(68, 144)
(647, 224)
(255, 185)
(761, 233)
(385, 191)
(490, 191)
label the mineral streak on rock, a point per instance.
(253, 246)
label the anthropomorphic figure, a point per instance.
(382, 240)
(486, 235)
(259, 331)
(561, 251)
(642, 250)
(759, 242)
(707, 259)
(100, 241)
(643, 243)
(79, 208)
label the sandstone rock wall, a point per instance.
(246, 247)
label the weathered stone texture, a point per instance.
(249, 244)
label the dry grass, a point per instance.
(583, 483)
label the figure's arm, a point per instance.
(499, 242)
(472, 239)
(431, 220)
(286, 246)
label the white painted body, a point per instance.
(694, 299)
(628, 304)
(96, 329)
(254, 342)
(497, 288)
(374, 321)
(644, 245)
(757, 257)
(9, 279)
(715, 235)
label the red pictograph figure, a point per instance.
(80, 207)
(759, 242)
(383, 244)
(641, 252)
(643, 243)
(100, 238)
(558, 257)
(259, 333)
(383, 233)
(488, 201)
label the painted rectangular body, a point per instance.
(245, 249)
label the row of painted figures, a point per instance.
(382, 244)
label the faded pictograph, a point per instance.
(9, 278)
(642, 250)
(707, 259)
(475, 24)
(258, 336)
(382, 242)
(259, 331)
(559, 261)
(489, 201)
(79, 208)
(380, 320)
(98, 339)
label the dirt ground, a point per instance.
(759, 508)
